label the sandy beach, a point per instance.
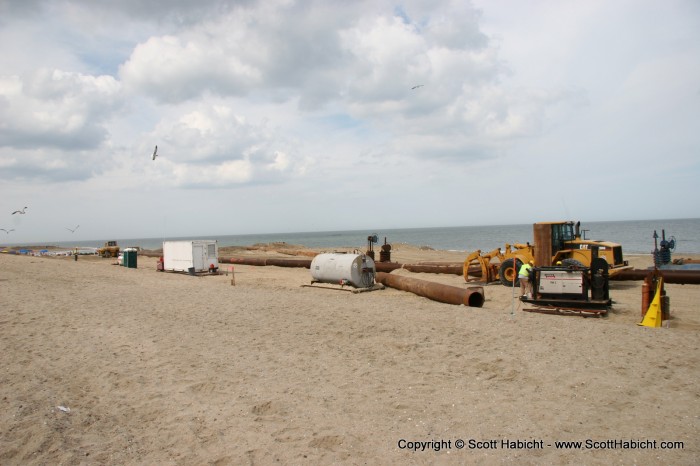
(109, 365)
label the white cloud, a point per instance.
(54, 123)
(54, 108)
(210, 146)
(172, 69)
(226, 173)
(280, 163)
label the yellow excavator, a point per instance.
(554, 242)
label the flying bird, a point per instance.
(21, 212)
(416, 87)
(7, 231)
(73, 230)
(155, 153)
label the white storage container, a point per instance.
(357, 270)
(190, 256)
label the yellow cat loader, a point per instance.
(110, 249)
(554, 242)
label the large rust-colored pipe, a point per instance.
(386, 266)
(472, 297)
(302, 263)
(681, 277)
(423, 267)
(426, 268)
(261, 261)
(379, 266)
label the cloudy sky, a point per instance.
(285, 116)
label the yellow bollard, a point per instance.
(653, 316)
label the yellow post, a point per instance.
(233, 277)
(653, 316)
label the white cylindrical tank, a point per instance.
(357, 270)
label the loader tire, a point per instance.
(506, 272)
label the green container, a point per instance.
(129, 260)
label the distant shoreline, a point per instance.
(636, 237)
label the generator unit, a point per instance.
(571, 286)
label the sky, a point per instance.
(282, 116)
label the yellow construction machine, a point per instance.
(110, 249)
(554, 242)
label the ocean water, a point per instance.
(636, 237)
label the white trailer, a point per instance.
(190, 256)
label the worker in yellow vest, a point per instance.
(524, 279)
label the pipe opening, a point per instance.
(475, 300)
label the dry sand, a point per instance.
(164, 368)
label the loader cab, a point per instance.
(561, 234)
(551, 238)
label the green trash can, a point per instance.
(130, 258)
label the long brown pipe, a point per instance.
(386, 266)
(681, 277)
(472, 297)
(379, 266)
(684, 277)
(259, 261)
(429, 268)
(302, 263)
(262, 261)
(434, 267)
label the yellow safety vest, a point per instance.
(525, 271)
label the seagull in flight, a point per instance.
(416, 87)
(21, 212)
(73, 230)
(7, 231)
(155, 153)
